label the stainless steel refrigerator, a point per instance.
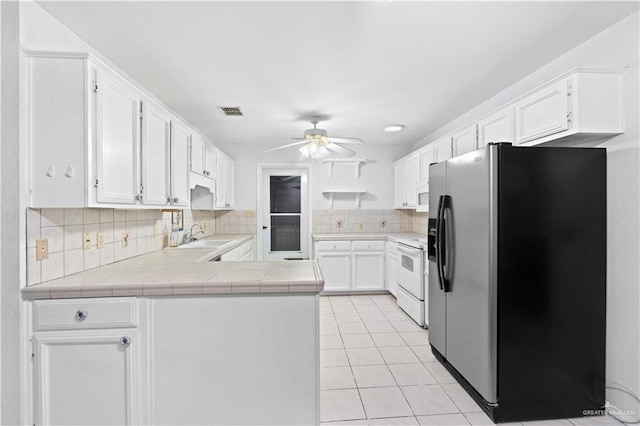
(517, 278)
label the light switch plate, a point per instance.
(100, 239)
(86, 241)
(42, 249)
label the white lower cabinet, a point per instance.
(391, 259)
(84, 362)
(351, 265)
(234, 360)
(336, 270)
(85, 378)
(242, 253)
(227, 359)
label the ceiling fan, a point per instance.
(316, 143)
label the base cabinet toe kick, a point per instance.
(228, 359)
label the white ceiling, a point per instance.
(363, 65)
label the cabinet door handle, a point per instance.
(81, 315)
(125, 341)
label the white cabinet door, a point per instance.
(231, 193)
(117, 129)
(336, 270)
(543, 113)
(155, 150)
(197, 155)
(400, 180)
(224, 181)
(180, 140)
(368, 270)
(210, 159)
(464, 141)
(413, 179)
(426, 157)
(442, 149)
(85, 378)
(391, 259)
(498, 127)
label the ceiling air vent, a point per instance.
(231, 111)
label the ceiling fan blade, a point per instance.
(339, 149)
(287, 145)
(345, 140)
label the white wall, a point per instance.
(616, 47)
(376, 177)
(11, 220)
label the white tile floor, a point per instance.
(376, 368)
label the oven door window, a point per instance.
(407, 263)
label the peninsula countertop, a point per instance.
(176, 272)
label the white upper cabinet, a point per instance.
(465, 140)
(413, 179)
(426, 158)
(544, 113)
(400, 180)
(95, 139)
(155, 158)
(498, 127)
(203, 157)
(442, 149)
(225, 171)
(179, 185)
(407, 179)
(581, 106)
(117, 132)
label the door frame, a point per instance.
(305, 240)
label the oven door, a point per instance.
(410, 271)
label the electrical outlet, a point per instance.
(383, 223)
(339, 223)
(155, 231)
(249, 213)
(42, 249)
(125, 239)
(361, 226)
(100, 239)
(204, 226)
(86, 241)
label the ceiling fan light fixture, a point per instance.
(394, 128)
(315, 149)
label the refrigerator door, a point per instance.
(471, 247)
(436, 297)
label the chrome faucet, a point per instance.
(191, 237)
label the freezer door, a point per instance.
(471, 313)
(436, 297)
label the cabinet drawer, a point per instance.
(333, 246)
(368, 246)
(117, 312)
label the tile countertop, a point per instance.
(176, 272)
(391, 236)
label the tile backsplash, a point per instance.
(357, 220)
(149, 230)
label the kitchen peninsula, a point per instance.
(167, 338)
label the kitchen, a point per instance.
(339, 212)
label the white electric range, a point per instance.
(412, 276)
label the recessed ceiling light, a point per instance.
(394, 128)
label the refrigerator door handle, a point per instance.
(446, 204)
(439, 243)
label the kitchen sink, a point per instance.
(205, 244)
